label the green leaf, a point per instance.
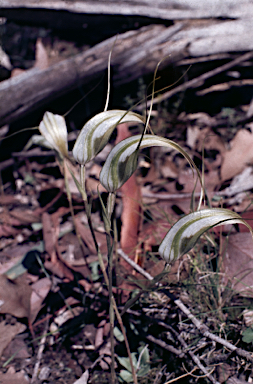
(122, 160)
(96, 133)
(183, 235)
(247, 336)
(144, 370)
(118, 334)
(144, 353)
(125, 362)
(126, 376)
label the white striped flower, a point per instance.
(122, 160)
(96, 133)
(53, 128)
(184, 234)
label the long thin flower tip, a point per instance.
(96, 133)
(53, 128)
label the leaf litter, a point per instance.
(60, 288)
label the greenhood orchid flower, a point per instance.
(53, 128)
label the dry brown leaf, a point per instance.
(205, 138)
(151, 176)
(25, 216)
(240, 155)
(13, 255)
(237, 263)
(8, 332)
(12, 377)
(59, 268)
(225, 371)
(153, 233)
(17, 72)
(248, 217)
(192, 136)
(40, 290)
(41, 56)
(10, 199)
(49, 235)
(7, 230)
(15, 296)
(93, 185)
(99, 338)
(83, 379)
(85, 234)
(41, 59)
(187, 181)
(169, 169)
(5, 218)
(18, 347)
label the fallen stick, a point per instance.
(197, 81)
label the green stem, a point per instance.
(108, 280)
(107, 224)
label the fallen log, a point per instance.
(22, 93)
(163, 9)
(135, 53)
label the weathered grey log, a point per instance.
(164, 9)
(135, 53)
(20, 94)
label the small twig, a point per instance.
(160, 374)
(164, 345)
(205, 332)
(197, 376)
(193, 356)
(181, 377)
(197, 81)
(137, 267)
(39, 354)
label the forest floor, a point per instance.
(54, 313)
